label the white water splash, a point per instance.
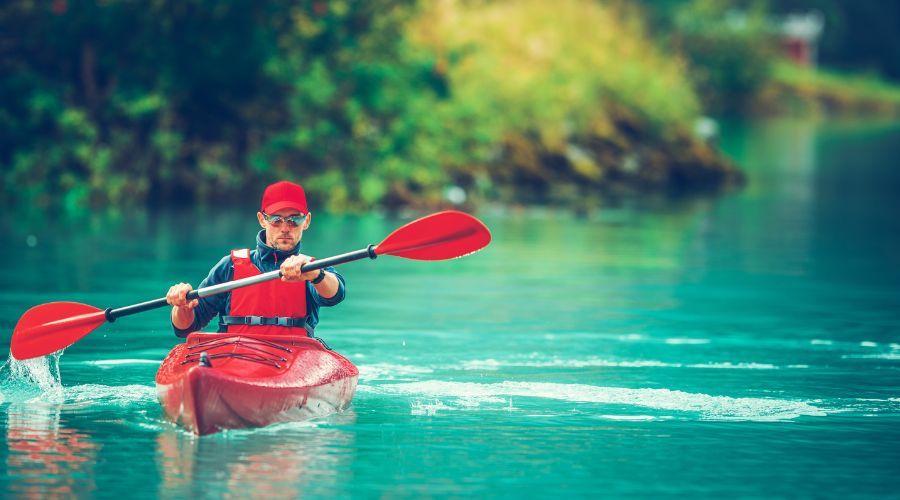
(741, 366)
(31, 380)
(893, 356)
(111, 395)
(428, 408)
(493, 364)
(686, 341)
(111, 363)
(391, 371)
(632, 418)
(38, 380)
(706, 406)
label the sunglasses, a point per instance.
(292, 220)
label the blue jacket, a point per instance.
(266, 259)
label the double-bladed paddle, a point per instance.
(47, 328)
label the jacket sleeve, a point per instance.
(338, 297)
(209, 307)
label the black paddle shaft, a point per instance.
(114, 314)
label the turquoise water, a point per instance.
(746, 345)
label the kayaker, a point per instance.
(290, 305)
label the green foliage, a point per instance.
(730, 51)
(368, 103)
(122, 102)
(359, 111)
(854, 85)
(552, 67)
(553, 95)
(732, 47)
(818, 90)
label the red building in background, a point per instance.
(800, 35)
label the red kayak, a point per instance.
(218, 381)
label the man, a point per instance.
(290, 305)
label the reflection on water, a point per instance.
(44, 457)
(283, 461)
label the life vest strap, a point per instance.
(268, 321)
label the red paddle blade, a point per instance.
(47, 328)
(440, 236)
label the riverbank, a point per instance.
(800, 90)
(425, 105)
(627, 160)
(576, 112)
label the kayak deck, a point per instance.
(253, 381)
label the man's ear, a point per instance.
(262, 221)
(308, 221)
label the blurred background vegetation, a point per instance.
(388, 104)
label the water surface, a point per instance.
(746, 345)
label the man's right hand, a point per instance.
(177, 297)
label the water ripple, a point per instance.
(707, 407)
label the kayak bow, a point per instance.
(226, 381)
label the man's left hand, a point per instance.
(290, 269)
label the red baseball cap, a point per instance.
(283, 195)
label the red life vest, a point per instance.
(270, 299)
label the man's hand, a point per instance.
(290, 269)
(177, 297)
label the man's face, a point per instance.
(283, 234)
